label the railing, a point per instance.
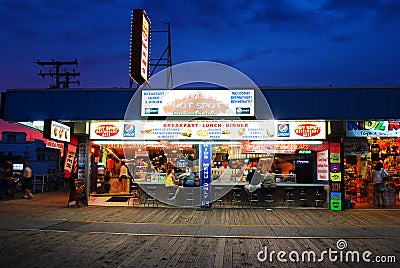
(40, 183)
(49, 183)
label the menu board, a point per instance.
(77, 192)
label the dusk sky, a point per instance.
(274, 42)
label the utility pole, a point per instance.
(58, 75)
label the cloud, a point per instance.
(341, 38)
(248, 55)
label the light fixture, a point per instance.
(289, 142)
(102, 142)
(206, 142)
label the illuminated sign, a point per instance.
(336, 201)
(373, 128)
(106, 130)
(307, 130)
(56, 131)
(54, 145)
(199, 102)
(197, 130)
(140, 42)
(280, 148)
(69, 163)
(304, 151)
(205, 175)
(335, 176)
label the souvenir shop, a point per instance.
(366, 143)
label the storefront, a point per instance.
(366, 143)
(294, 152)
(325, 155)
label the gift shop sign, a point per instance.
(198, 102)
(373, 128)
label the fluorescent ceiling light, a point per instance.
(287, 142)
(204, 142)
(103, 142)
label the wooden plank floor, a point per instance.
(44, 233)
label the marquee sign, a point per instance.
(208, 130)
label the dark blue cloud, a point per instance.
(275, 42)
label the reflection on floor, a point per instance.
(110, 200)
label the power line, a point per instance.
(66, 75)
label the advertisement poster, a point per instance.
(60, 132)
(82, 158)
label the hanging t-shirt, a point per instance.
(375, 149)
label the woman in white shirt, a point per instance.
(124, 177)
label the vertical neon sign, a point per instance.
(205, 175)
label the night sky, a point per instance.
(274, 42)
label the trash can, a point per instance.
(347, 204)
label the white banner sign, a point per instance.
(198, 102)
(208, 130)
(54, 145)
(322, 166)
(60, 132)
(69, 163)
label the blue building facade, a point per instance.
(16, 147)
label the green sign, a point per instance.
(336, 205)
(304, 151)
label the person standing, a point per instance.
(124, 177)
(380, 184)
(27, 181)
(225, 172)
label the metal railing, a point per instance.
(48, 183)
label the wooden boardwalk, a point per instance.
(42, 232)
